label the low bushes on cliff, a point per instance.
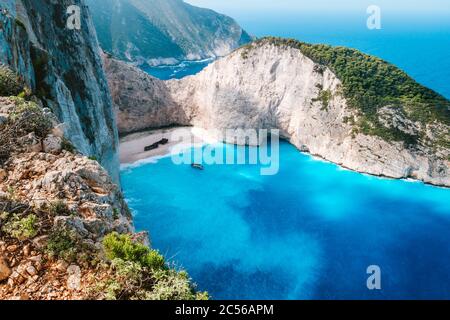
(10, 83)
(141, 273)
(18, 221)
(59, 208)
(27, 117)
(123, 247)
(21, 228)
(62, 244)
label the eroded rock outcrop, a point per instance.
(272, 86)
(64, 67)
(47, 190)
(65, 229)
(145, 102)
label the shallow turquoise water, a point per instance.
(312, 230)
(308, 232)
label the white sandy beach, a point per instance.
(132, 146)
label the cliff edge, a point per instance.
(65, 229)
(63, 67)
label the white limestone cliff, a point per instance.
(273, 87)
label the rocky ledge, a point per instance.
(65, 229)
(46, 186)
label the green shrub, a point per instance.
(59, 208)
(10, 83)
(116, 213)
(62, 244)
(22, 228)
(324, 97)
(112, 290)
(123, 247)
(127, 269)
(25, 94)
(173, 285)
(126, 283)
(130, 281)
(12, 194)
(140, 273)
(4, 215)
(67, 145)
(29, 117)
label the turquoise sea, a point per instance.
(311, 231)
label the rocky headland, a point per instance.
(335, 103)
(163, 32)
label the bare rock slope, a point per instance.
(64, 68)
(65, 229)
(145, 102)
(273, 84)
(56, 205)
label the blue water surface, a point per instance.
(178, 71)
(308, 232)
(312, 230)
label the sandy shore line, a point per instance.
(132, 146)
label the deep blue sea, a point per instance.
(311, 231)
(178, 71)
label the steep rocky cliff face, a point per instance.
(64, 68)
(277, 86)
(14, 43)
(163, 31)
(145, 102)
(65, 229)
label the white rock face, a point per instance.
(145, 102)
(274, 87)
(52, 144)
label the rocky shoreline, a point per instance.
(132, 146)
